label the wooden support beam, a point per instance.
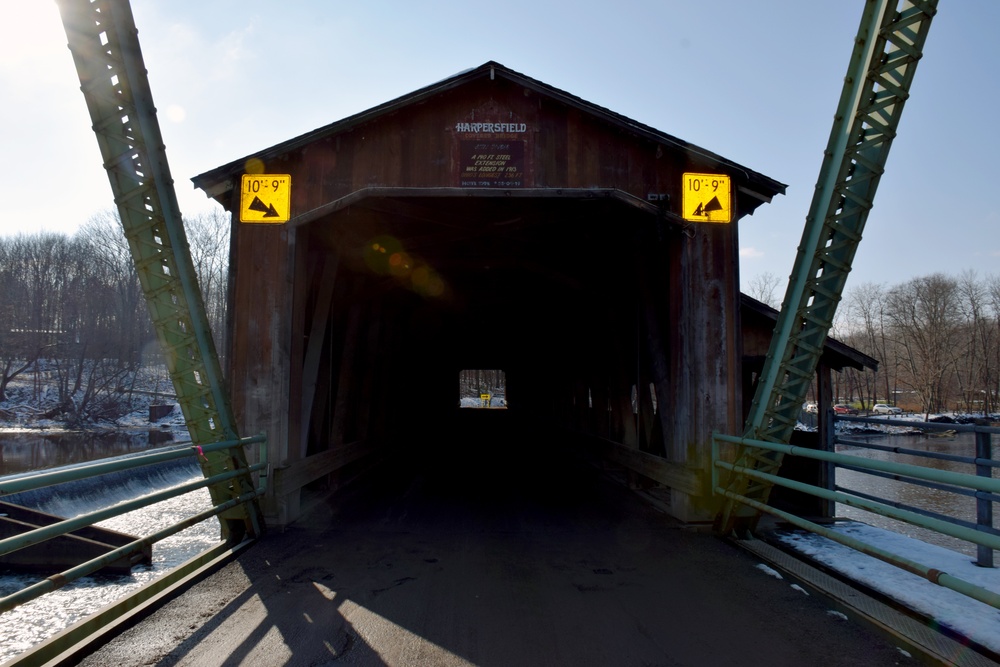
(674, 475)
(289, 479)
(317, 336)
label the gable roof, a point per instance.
(753, 183)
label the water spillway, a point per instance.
(29, 510)
(64, 551)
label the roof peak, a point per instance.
(209, 180)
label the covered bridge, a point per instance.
(486, 221)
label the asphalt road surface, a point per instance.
(494, 552)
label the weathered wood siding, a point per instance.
(680, 328)
(421, 146)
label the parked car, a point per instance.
(810, 407)
(885, 409)
(843, 409)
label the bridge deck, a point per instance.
(464, 559)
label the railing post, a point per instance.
(984, 506)
(828, 443)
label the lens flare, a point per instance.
(435, 287)
(420, 278)
(385, 255)
(399, 264)
(254, 166)
(378, 251)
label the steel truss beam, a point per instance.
(104, 43)
(888, 47)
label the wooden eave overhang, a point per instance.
(221, 179)
(836, 355)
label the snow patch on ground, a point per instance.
(918, 419)
(769, 571)
(966, 616)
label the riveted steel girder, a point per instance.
(103, 40)
(888, 47)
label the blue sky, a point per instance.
(757, 82)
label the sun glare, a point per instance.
(40, 37)
(175, 113)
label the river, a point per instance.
(29, 450)
(31, 623)
(943, 502)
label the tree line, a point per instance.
(936, 339)
(73, 317)
(476, 382)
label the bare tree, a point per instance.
(973, 369)
(34, 288)
(472, 383)
(993, 377)
(20, 346)
(926, 324)
(763, 287)
(208, 236)
(113, 276)
(866, 306)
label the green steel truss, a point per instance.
(889, 45)
(104, 42)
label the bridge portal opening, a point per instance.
(486, 202)
(480, 388)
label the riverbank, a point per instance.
(35, 435)
(34, 403)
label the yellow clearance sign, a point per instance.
(707, 198)
(266, 198)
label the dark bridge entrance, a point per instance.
(487, 221)
(536, 283)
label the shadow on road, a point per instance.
(492, 547)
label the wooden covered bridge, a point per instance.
(490, 221)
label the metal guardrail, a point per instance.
(983, 461)
(980, 484)
(32, 482)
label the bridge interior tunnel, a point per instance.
(396, 295)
